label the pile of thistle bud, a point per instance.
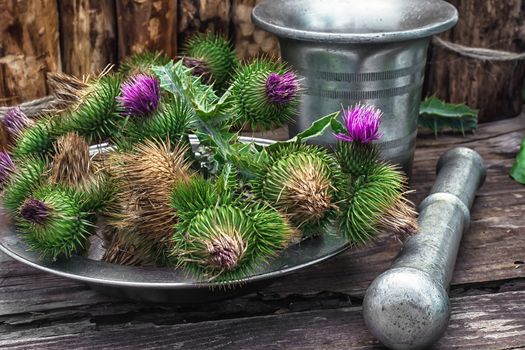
(218, 209)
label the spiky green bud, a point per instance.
(98, 115)
(302, 182)
(375, 195)
(37, 139)
(142, 62)
(356, 158)
(259, 100)
(227, 242)
(375, 201)
(29, 174)
(52, 222)
(171, 121)
(216, 55)
(218, 236)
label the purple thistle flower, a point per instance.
(140, 95)
(281, 88)
(7, 167)
(362, 124)
(35, 211)
(16, 121)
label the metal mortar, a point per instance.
(352, 51)
(407, 307)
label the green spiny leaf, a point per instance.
(518, 169)
(437, 115)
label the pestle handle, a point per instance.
(460, 172)
(407, 307)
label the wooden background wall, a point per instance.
(81, 36)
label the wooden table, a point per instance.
(318, 308)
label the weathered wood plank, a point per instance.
(146, 25)
(87, 35)
(491, 321)
(249, 40)
(29, 48)
(203, 16)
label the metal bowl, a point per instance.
(354, 21)
(168, 285)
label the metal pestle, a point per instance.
(407, 306)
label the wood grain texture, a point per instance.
(29, 48)
(146, 25)
(200, 16)
(88, 31)
(492, 321)
(249, 40)
(317, 308)
(492, 87)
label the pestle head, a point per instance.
(406, 309)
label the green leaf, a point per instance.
(518, 169)
(437, 115)
(337, 127)
(211, 120)
(168, 81)
(227, 180)
(317, 128)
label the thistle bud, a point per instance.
(211, 54)
(35, 211)
(264, 94)
(15, 121)
(377, 201)
(355, 152)
(53, 223)
(218, 238)
(301, 182)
